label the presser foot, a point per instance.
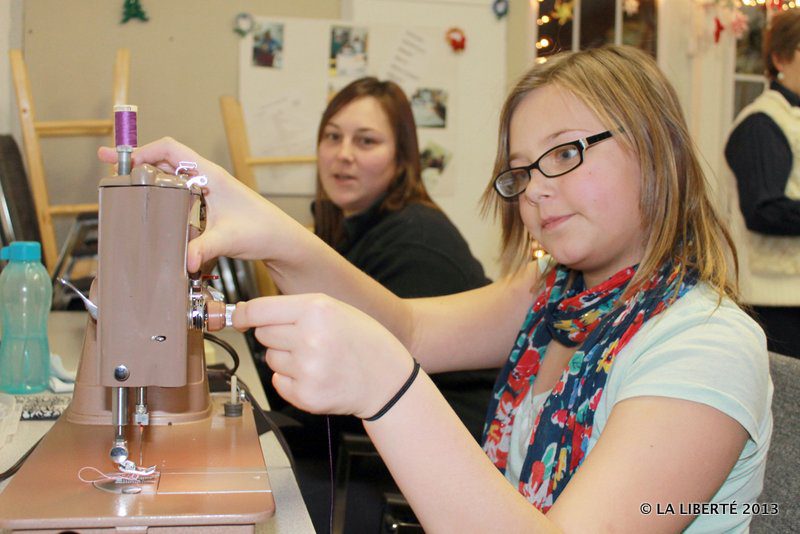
(131, 480)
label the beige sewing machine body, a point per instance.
(183, 465)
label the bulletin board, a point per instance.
(290, 67)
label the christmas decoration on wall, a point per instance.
(243, 24)
(457, 39)
(563, 11)
(718, 27)
(500, 8)
(132, 9)
(631, 7)
(728, 17)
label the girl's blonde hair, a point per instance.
(629, 94)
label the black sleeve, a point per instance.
(411, 270)
(761, 159)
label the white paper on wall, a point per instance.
(284, 87)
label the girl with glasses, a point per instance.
(635, 393)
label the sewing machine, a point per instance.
(174, 456)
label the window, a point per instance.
(579, 24)
(749, 79)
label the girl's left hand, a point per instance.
(328, 357)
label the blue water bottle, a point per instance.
(26, 294)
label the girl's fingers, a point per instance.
(195, 254)
(165, 150)
(165, 167)
(262, 311)
(106, 154)
(165, 153)
(161, 155)
(280, 361)
(285, 386)
(201, 249)
(281, 336)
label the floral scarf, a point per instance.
(572, 316)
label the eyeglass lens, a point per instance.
(555, 162)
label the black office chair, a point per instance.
(361, 475)
(17, 212)
(18, 223)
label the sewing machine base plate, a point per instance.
(212, 473)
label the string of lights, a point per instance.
(554, 16)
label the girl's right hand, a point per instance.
(240, 223)
(328, 357)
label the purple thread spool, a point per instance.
(125, 125)
(125, 136)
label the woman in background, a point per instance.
(371, 204)
(372, 207)
(763, 153)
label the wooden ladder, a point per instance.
(33, 130)
(243, 163)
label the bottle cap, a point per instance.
(22, 251)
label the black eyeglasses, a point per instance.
(555, 162)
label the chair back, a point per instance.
(17, 211)
(782, 477)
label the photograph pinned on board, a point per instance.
(430, 108)
(348, 54)
(433, 160)
(268, 46)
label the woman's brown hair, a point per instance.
(407, 186)
(629, 94)
(781, 39)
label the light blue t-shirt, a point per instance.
(699, 352)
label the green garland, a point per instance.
(132, 9)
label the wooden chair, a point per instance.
(33, 130)
(243, 163)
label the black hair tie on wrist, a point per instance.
(397, 396)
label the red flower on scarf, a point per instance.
(595, 401)
(578, 435)
(560, 417)
(537, 473)
(528, 364)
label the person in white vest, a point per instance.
(762, 153)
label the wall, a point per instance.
(520, 32)
(702, 73)
(5, 74)
(11, 28)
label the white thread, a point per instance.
(105, 476)
(135, 474)
(185, 166)
(200, 180)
